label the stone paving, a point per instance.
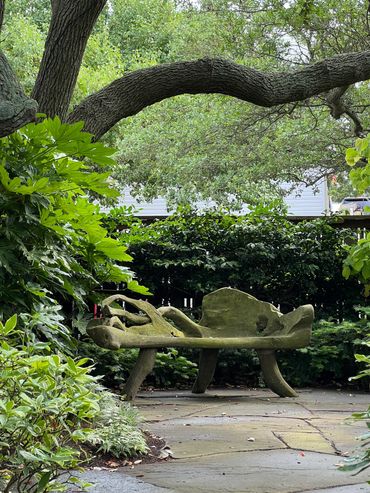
(246, 441)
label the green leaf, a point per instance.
(113, 249)
(10, 324)
(352, 156)
(43, 482)
(137, 288)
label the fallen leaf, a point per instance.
(165, 452)
(112, 463)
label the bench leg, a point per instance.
(271, 374)
(207, 366)
(142, 368)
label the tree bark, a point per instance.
(16, 109)
(2, 11)
(131, 93)
(70, 27)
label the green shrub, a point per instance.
(357, 264)
(54, 250)
(191, 254)
(46, 401)
(50, 405)
(330, 357)
(170, 369)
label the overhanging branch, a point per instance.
(131, 93)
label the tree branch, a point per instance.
(70, 27)
(16, 109)
(2, 11)
(336, 104)
(133, 92)
(340, 107)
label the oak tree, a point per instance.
(70, 27)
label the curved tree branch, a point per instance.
(340, 107)
(133, 92)
(16, 109)
(70, 28)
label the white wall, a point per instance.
(304, 201)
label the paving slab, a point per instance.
(353, 488)
(246, 441)
(276, 471)
(118, 481)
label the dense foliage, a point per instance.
(53, 247)
(51, 405)
(213, 146)
(45, 404)
(189, 255)
(358, 261)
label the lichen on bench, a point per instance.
(230, 319)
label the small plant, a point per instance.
(361, 459)
(46, 402)
(115, 428)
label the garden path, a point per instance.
(246, 441)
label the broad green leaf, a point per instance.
(137, 288)
(113, 249)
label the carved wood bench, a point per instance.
(230, 319)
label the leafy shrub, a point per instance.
(173, 370)
(45, 403)
(49, 407)
(54, 249)
(357, 263)
(238, 367)
(329, 360)
(360, 460)
(191, 254)
(115, 428)
(170, 369)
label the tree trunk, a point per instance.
(133, 92)
(70, 27)
(16, 109)
(2, 11)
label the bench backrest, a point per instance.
(229, 312)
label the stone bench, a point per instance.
(231, 319)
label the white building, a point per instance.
(304, 201)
